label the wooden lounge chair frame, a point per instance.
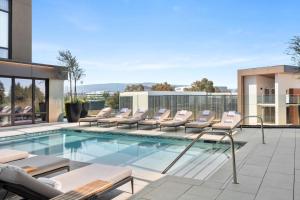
(29, 194)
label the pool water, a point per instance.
(149, 153)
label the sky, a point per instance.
(178, 41)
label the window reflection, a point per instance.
(40, 101)
(5, 101)
(23, 101)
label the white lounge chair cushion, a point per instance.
(206, 112)
(7, 155)
(82, 176)
(162, 111)
(16, 175)
(123, 110)
(202, 119)
(231, 113)
(228, 121)
(50, 182)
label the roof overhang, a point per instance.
(278, 69)
(32, 70)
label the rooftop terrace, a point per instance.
(265, 171)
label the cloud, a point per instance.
(180, 62)
(82, 23)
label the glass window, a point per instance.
(3, 53)
(4, 5)
(23, 101)
(3, 29)
(40, 103)
(5, 101)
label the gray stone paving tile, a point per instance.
(257, 160)
(247, 184)
(188, 181)
(232, 195)
(213, 184)
(277, 180)
(253, 170)
(168, 191)
(269, 193)
(204, 192)
(192, 197)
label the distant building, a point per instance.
(271, 92)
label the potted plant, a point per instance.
(73, 106)
(85, 108)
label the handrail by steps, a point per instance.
(195, 140)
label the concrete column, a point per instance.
(280, 100)
(56, 100)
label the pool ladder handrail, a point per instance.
(252, 116)
(227, 133)
(196, 139)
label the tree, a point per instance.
(78, 74)
(162, 87)
(134, 88)
(294, 49)
(204, 85)
(75, 73)
(113, 101)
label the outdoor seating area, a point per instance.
(25, 175)
(161, 119)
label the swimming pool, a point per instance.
(142, 152)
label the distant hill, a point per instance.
(111, 87)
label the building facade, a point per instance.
(270, 92)
(29, 92)
(175, 101)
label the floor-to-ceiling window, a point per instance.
(4, 28)
(23, 101)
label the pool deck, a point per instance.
(264, 171)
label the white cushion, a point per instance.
(16, 175)
(206, 112)
(231, 113)
(50, 182)
(182, 112)
(82, 176)
(228, 121)
(162, 110)
(8, 155)
(123, 110)
(202, 119)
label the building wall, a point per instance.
(56, 101)
(21, 38)
(250, 98)
(282, 83)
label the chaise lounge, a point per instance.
(180, 119)
(204, 120)
(137, 116)
(122, 114)
(34, 165)
(228, 122)
(104, 113)
(158, 117)
(82, 183)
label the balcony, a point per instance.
(292, 99)
(266, 99)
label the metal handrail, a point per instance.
(261, 125)
(196, 139)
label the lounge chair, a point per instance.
(136, 117)
(228, 122)
(82, 183)
(180, 119)
(34, 165)
(204, 120)
(122, 114)
(158, 117)
(104, 113)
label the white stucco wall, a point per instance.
(282, 83)
(56, 100)
(250, 98)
